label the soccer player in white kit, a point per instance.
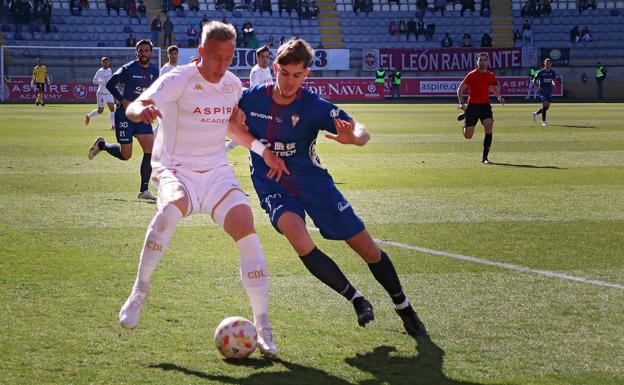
(172, 55)
(261, 73)
(196, 105)
(104, 97)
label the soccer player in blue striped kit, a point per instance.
(287, 119)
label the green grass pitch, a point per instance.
(71, 232)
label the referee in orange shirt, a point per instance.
(479, 82)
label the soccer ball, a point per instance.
(236, 337)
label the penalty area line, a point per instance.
(509, 266)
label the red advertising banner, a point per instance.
(336, 89)
(440, 59)
(447, 86)
(18, 89)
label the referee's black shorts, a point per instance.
(476, 112)
(40, 86)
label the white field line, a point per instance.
(546, 273)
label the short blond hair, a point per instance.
(217, 30)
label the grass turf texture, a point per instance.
(71, 232)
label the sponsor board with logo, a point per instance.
(245, 58)
(18, 89)
(440, 59)
(447, 86)
(342, 88)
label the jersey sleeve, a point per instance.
(493, 81)
(118, 77)
(326, 113)
(165, 89)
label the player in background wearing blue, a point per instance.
(287, 119)
(134, 77)
(545, 80)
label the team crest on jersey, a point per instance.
(295, 119)
(334, 113)
(198, 87)
(228, 88)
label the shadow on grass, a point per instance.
(525, 166)
(296, 374)
(423, 369)
(571, 126)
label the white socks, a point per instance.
(255, 278)
(159, 232)
(111, 117)
(93, 113)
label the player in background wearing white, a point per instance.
(196, 106)
(260, 74)
(104, 97)
(172, 54)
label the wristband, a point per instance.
(257, 147)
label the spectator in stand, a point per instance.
(586, 35)
(193, 5)
(367, 6)
(392, 28)
(84, 4)
(257, 5)
(412, 28)
(73, 6)
(282, 5)
(467, 5)
(220, 5)
(314, 10)
(430, 32)
(165, 5)
(485, 7)
(168, 32)
(447, 41)
(114, 5)
(271, 42)
(575, 35)
(420, 28)
(155, 28)
(47, 15)
(422, 6)
(248, 30)
(266, 7)
(525, 11)
(439, 5)
(292, 6)
(131, 9)
(177, 5)
(191, 36)
(585, 4)
(282, 40)
(203, 21)
(546, 8)
(486, 40)
(356, 6)
(246, 4)
(393, 1)
(466, 40)
(402, 27)
(253, 42)
(517, 36)
(142, 10)
(130, 41)
(527, 32)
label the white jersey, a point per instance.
(101, 77)
(259, 75)
(166, 68)
(195, 113)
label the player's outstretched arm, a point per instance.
(351, 132)
(143, 111)
(240, 134)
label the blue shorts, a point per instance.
(125, 129)
(329, 210)
(545, 97)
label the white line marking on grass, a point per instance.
(509, 266)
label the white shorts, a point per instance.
(212, 192)
(104, 99)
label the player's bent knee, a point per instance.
(174, 194)
(468, 132)
(234, 214)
